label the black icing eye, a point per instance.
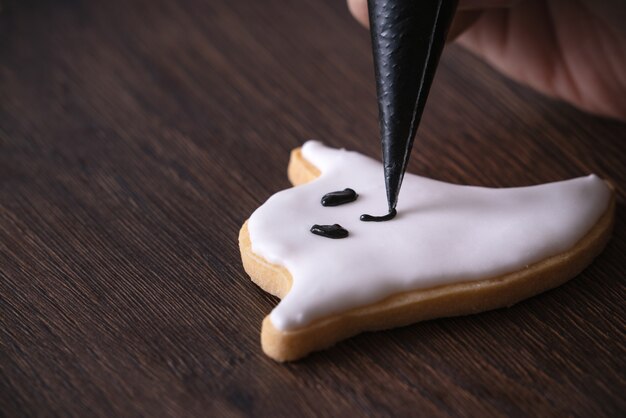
(335, 231)
(339, 197)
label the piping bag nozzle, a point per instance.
(407, 39)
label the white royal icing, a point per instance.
(443, 233)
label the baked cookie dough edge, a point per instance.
(413, 306)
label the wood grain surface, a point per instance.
(136, 137)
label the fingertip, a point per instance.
(358, 8)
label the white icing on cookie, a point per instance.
(443, 233)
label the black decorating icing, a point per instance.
(339, 197)
(335, 231)
(369, 218)
(407, 39)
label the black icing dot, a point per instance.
(335, 231)
(339, 197)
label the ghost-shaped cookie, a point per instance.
(451, 250)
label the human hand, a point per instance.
(574, 50)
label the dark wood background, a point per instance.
(137, 136)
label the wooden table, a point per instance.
(137, 136)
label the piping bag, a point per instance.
(407, 39)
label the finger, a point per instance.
(484, 4)
(469, 11)
(358, 8)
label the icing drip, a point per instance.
(444, 233)
(369, 218)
